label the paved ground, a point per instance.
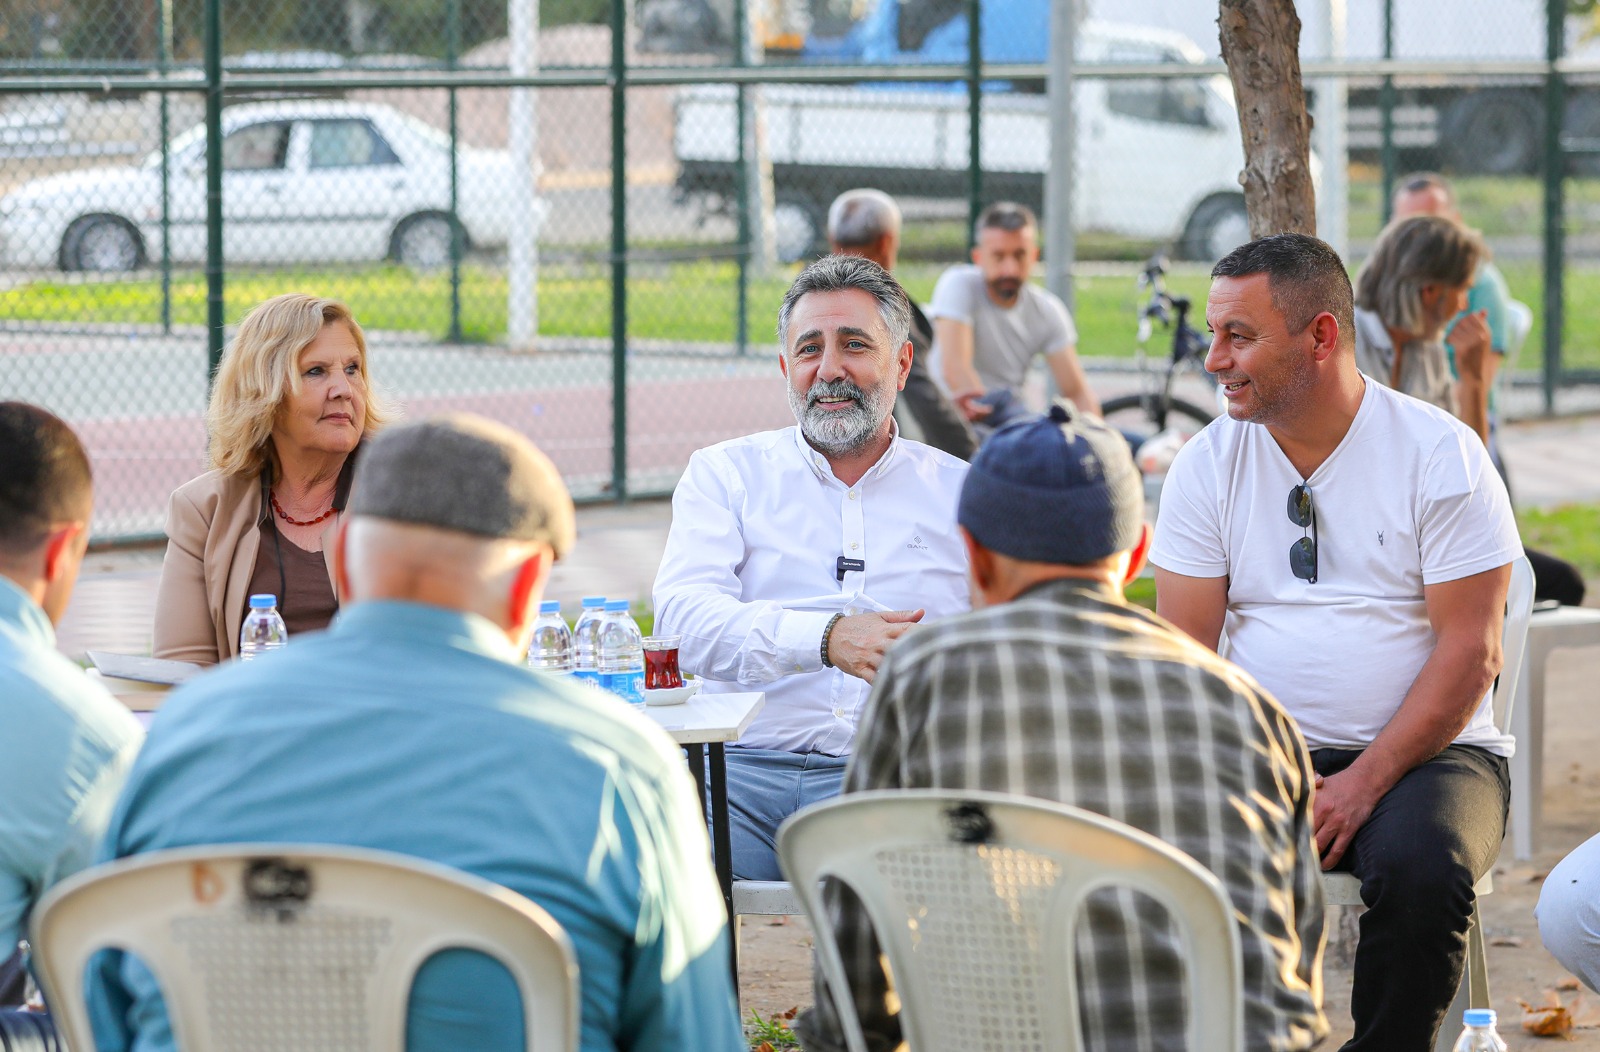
(620, 547)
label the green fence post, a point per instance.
(1555, 170)
(215, 312)
(164, 59)
(452, 50)
(741, 184)
(1388, 158)
(974, 115)
(619, 250)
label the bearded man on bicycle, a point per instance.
(990, 322)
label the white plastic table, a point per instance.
(1565, 626)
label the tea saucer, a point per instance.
(672, 695)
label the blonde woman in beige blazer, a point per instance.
(291, 404)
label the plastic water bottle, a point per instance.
(551, 650)
(620, 654)
(1479, 1034)
(585, 633)
(263, 629)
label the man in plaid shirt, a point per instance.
(1055, 687)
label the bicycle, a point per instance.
(1154, 408)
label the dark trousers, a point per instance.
(1427, 842)
(1555, 579)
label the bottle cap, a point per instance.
(594, 601)
(550, 606)
(1478, 1017)
(614, 605)
(264, 601)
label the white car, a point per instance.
(303, 182)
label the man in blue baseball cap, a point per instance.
(1056, 687)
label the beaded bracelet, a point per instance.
(826, 632)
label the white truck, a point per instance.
(1156, 159)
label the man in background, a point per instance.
(65, 743)
(990, 322)
(866, 223)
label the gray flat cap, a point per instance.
(463, 472)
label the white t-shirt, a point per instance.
(1005, 340)
(1408, 498)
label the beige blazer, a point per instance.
(213, 536)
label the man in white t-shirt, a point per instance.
(990, 322)
(1354, 546)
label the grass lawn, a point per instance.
(1571, 532)
(691, 302)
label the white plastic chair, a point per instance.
(1343, 889)
(266, 946)
(976, 896)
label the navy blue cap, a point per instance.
(1060, 488)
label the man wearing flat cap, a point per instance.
(412, 725)
(1056, 687)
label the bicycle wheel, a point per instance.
(1144, 415)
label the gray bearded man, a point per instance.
(797, 556)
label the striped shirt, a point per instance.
(1072, 695)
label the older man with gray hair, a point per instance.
(412, 725)
(866, 223)
(796, 557)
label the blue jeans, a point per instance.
(765, 786)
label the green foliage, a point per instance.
(1571, 532)
(694, 301)
(772, 1032)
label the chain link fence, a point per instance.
(586, 234)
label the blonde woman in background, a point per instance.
(290, 407)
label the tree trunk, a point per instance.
(1261, 45)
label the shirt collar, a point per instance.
(824, 471)
(420, 623)
(1064, 588)
(17, 607)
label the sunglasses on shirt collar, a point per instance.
(1303, 553)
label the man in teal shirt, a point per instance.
(66, 743)
(412, 725)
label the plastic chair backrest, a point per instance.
(976, 898)
(1513, 640)
(302, 945)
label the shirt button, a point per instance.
(854, 546)
(799, 668)
(839, 713)
(852, 494)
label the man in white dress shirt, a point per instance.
(797, 556)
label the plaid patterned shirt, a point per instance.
(1069, 694)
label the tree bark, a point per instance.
(1261, 45)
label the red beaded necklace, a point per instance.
(296, 522)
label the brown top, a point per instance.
(213, 540)
(305, 594)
